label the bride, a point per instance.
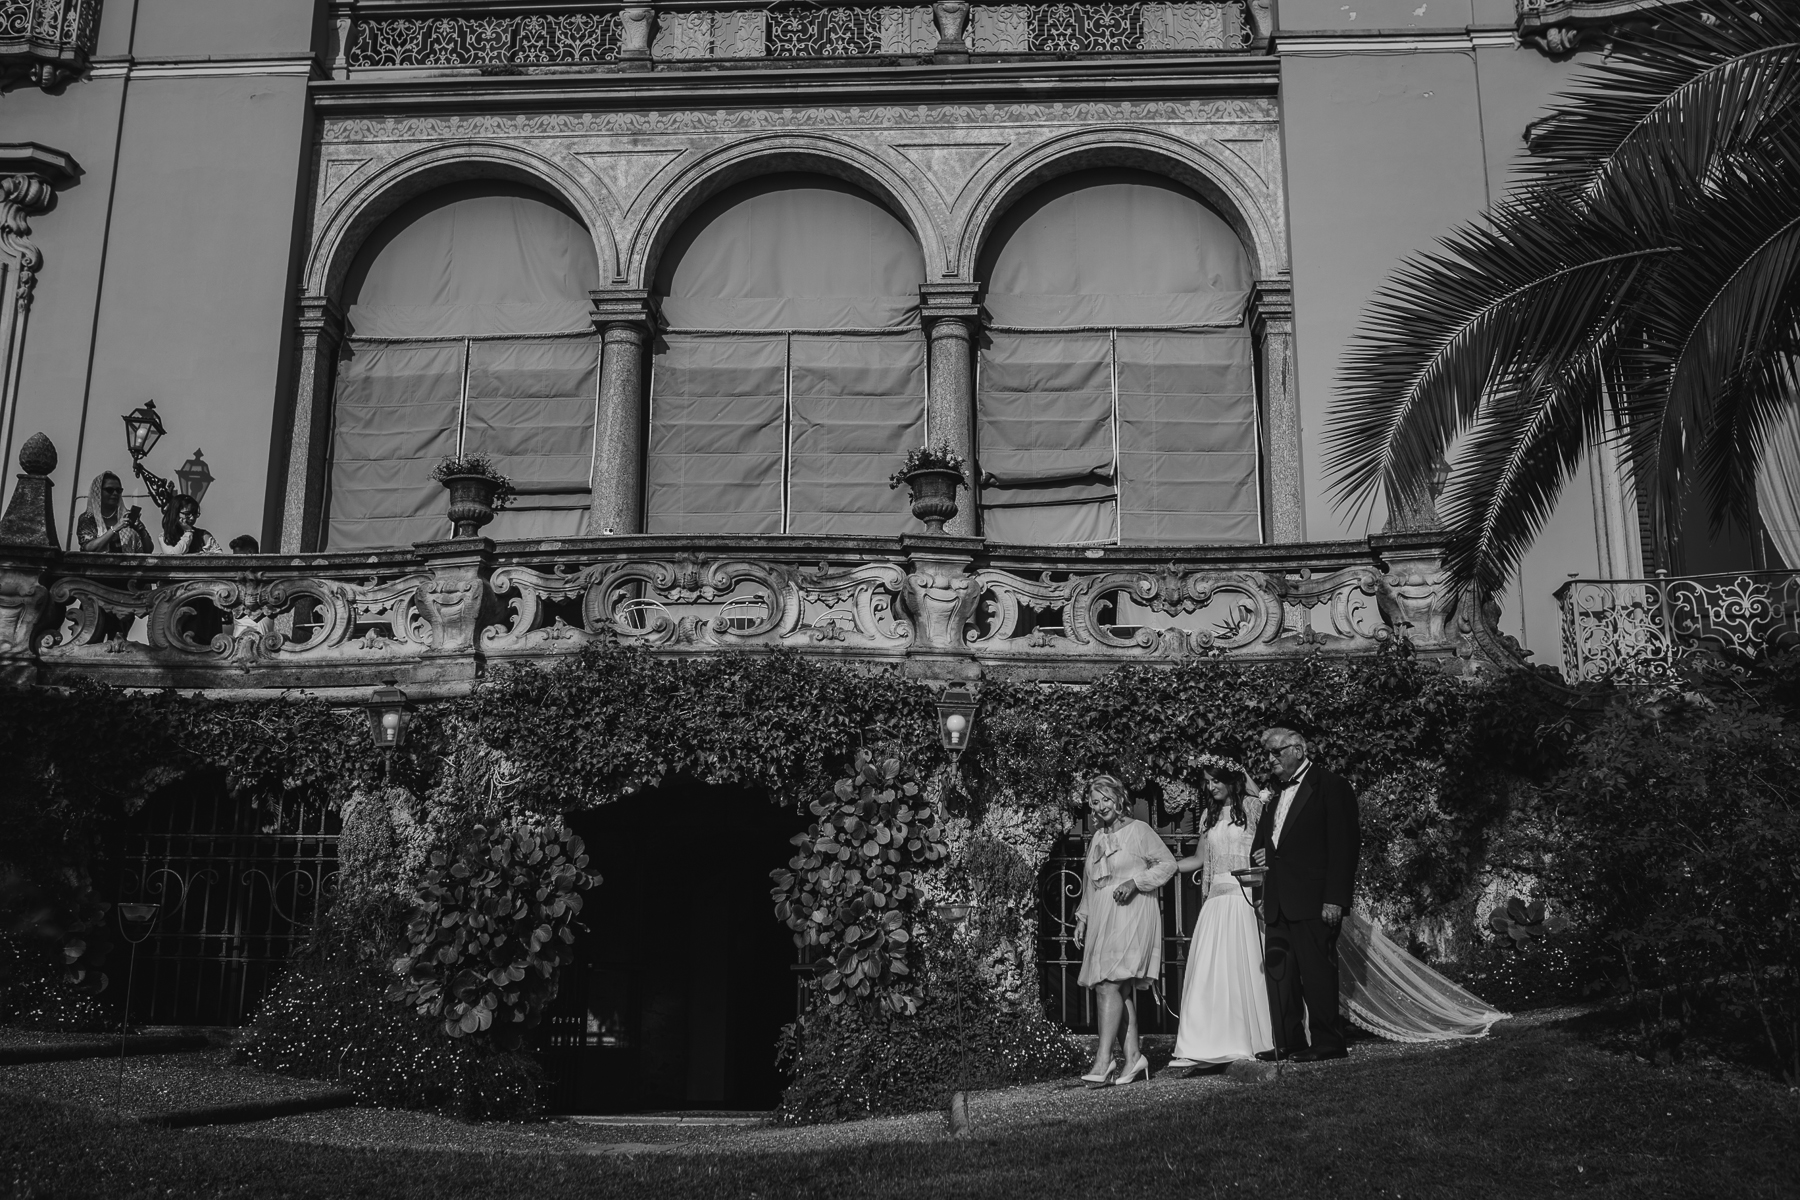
(1224, 1000)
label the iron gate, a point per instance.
(1059, 960)
(240, 886)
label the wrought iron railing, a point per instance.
(497, 37)
(239, 887)
(46, 43)
(434, 613)
(1641, 630)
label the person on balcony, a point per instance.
(107, 527)
(180, 532)
(1118, 925)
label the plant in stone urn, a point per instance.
(933, 474)
(477, 491)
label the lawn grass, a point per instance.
(1532, 1112)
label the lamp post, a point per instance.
(143, 429)
(136, 922)
(1249, 879)
(954, 916)
(195, 476)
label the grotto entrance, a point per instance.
(683, 977)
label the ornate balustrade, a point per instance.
(1641, 630)
(435, 615)
(508, 37)
(45, 43)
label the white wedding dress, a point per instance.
(1224, 1001)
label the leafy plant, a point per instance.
(1525, 925)
(1647, 271)
(928, 458)
(480, 465)
(493, 921)
(850, 892)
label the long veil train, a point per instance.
(1393, 995)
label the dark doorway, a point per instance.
(683, 977)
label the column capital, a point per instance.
(624, 306)
(940, 300)
(1271, 300)
(321, 315)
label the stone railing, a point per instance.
(1641, 630)
(508, 38)
(433, 615)
(46, 43)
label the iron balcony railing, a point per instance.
(433, 614)
(45, 43)
(1641, 630)
(501, 38)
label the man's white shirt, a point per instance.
(1288, 792)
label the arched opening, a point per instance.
(683, 976)
(468, 333)
(792, 371)
(1116, 397)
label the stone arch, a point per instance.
(776, 154)
(348, 226)
(1222, 182)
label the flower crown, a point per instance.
(1219, 762)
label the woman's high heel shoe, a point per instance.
(1139, 1070)
(1105, 1078)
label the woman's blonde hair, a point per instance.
(1109, 786)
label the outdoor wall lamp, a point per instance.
(956, 718)
(388, 717)
(143, 428)
(195, 476)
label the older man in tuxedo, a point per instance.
(1309, 838)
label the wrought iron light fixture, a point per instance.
(143, 429)
(195, 477)
(388, 717)
(956, 718)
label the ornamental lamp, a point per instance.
(956, 718)
(388, 717)
(138, 914)
(195, 476)
(143, 429)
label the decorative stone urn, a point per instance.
(934, 496)
(471, 502)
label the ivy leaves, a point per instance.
(851, 890)
(492, 923)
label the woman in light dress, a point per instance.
(1118, 925)
(1224, 999)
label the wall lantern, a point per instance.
(388, 717)
(956, 717)
(143, 428)
(195, 476)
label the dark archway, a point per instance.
(683, 977)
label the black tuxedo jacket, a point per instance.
(1321, 842)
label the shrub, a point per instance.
(861, 1060)
(330, 1021)
(493, 922)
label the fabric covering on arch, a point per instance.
(792, 373)
(469, 332)
(1116, 393)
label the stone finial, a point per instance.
(29, 520)
(38, 455)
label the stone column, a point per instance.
(321, 329)
(952, 319)
(1272, 325)
(29, 177)
(625, 320)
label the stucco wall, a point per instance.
(168, 269)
